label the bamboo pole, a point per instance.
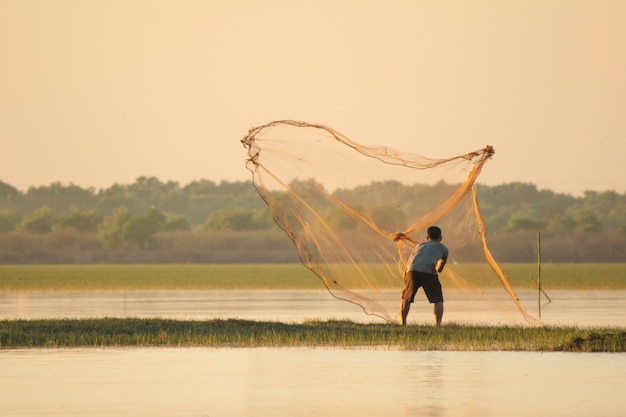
(539, 273)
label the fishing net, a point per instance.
(355, 212)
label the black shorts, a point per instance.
(413, 280)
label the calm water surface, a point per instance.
(492, 306)
(308, 382)
(263, 382)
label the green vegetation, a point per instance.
(123, 228)
(241, 333)
(148, 220)
(281, 276)
(148, 277)
(583, 276)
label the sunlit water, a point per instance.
(263, 382)
(493, 306)
(308, 382)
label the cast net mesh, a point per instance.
(355, 212)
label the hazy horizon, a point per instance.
(95, 93)
(218, 181)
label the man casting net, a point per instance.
(355, 212)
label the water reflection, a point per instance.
(580, 308)
(308, 382)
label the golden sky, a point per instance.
(99, 92)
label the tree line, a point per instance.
(140, 214)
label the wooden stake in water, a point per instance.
(539, 273)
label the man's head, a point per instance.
(434, 233)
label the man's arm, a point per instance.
(442, 262)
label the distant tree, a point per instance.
(60, 197)
(113, 229)
(521, 222)
(8, 192)
(142, 229)
(110, 199)
(38, 221)
(122, 228)
(496, 218)
(230, 220)
(81, 221)
(175, 222)
(145, 192)
(608, 207)
(262, 219)
(200, 188)
(521, 205)
(588, 223)
(511, 206)
(337, 219)
(561, 223)
(8, 221)
(239, 219)
(389, 218)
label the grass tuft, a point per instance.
(120, 332)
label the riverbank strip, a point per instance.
(234, 333)
(17, 278)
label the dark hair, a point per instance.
(434, 232)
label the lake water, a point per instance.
(290, 382)
(205, 382)
(492, 306)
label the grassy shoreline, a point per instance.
(133, 332)
(283, 276)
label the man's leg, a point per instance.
(408, 293)
(438, 313)
(405, 306)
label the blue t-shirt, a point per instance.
(426, 255)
